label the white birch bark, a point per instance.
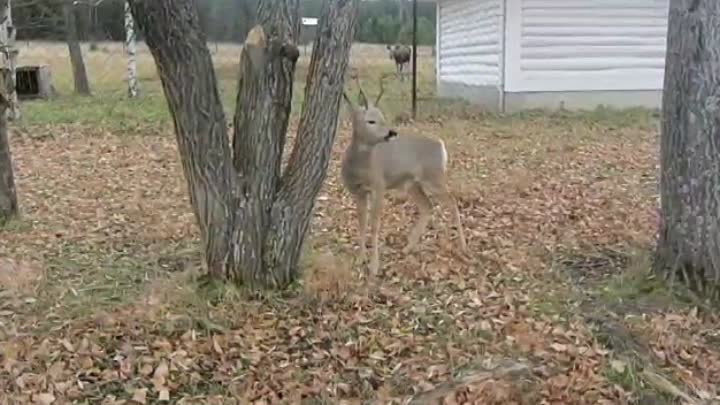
(9, 56)
(131, 49)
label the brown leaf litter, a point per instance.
(527, 188)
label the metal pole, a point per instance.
(414, 61)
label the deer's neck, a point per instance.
(355, 166)
(358, 153)
(360, 148)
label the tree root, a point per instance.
(631, 351)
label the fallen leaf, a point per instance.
(161, 371)
(67, 345)
(44, 398)
(140, 396)
(146, 369)
(618, 365)
(164, 395)
(559, 347)
(216, 346)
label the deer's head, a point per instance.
(368, 121)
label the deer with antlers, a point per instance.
(378, 159)
(401, 55)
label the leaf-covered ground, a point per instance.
(100, 304)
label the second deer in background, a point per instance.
(400, 54)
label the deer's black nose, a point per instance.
(391, 134)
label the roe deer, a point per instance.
(401, 55)
(378, 159)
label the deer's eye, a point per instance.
(371, 122)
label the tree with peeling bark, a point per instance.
(80, 78)
(8, 196)
(252, 216)
(688, 248)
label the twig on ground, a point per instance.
(662, 384)
(507, 368)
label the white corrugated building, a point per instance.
(510, 55)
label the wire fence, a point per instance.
(107, 67)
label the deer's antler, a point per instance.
(382, 88)
(363, 97)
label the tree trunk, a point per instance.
(253, 218)
(8, 197)
(131, 49)
(7, 39)
(688, 246)
(82, 85)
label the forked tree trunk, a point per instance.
(8, 197)
(689, 241)
(253, 218)
(82, 85)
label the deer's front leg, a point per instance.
(375, 212)
(361, 205)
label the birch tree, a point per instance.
(688, 247)
(131, 49)
(252, 216)
(9, 57)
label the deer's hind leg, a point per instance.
(440, 189)
(425, 208)
(375, 213)
(361, 205)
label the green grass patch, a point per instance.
(625, 374)
(113, 111)
(553, 303)
(637, 286)
(15, 225)
(628, 376)
(81, 285)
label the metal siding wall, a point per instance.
(469, 36)
(581, 45)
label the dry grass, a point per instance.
(19, 277)
(107, 219)
(107, 71)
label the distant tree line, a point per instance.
(381, 21)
